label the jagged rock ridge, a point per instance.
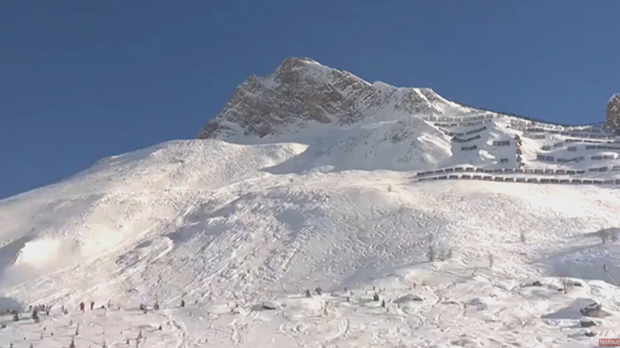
(613, 112)
(302, 90)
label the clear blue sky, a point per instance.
(81, 80)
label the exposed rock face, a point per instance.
(613, 113)
(301, 91)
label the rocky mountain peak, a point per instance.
(302, 91)
(612, 119)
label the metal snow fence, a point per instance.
(473, 131)
(560, 171)
(498, 178)
(487, 178)
(521, 179)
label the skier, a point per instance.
(35, 315)
(82, 305)
(92, 305)
(182, 303)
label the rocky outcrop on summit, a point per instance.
(302, 91)
(613, 113)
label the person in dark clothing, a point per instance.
(92, 305)
(82, 305)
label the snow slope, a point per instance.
(241, 227)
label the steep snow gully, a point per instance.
(354, 215)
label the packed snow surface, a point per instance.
(326, 238)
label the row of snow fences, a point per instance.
(545, 158)
(590, 141)
(501, 143)
(469, 148)
(535, 136)
(462, 124)
(524, 180)
(458, 120)
(460, 134)
(459, 140)
(588, 147)
(522, 125)
(602, 147)
(517, 171)
(570, 134)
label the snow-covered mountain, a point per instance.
(302, 92)
(473, 228)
